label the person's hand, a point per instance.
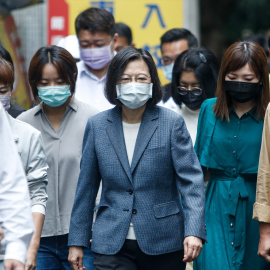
(192, 248)
(13, 265)
(264, 244)
(75, 258)
(31, 259)
(1, 234)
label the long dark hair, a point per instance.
(205, 66)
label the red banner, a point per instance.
(57, 20)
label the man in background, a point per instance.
(124, 36)
(172, 44)
(95, 29)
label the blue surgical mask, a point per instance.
(134, 95)
(167, 70)
(96, 58)
(54, 96)
(5, 99)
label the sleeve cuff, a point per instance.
(261, 212)
(38, 208)
(16, 251)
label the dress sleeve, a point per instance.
(261, 209)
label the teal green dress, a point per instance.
(230, 151)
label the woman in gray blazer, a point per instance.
(144, 155)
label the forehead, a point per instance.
(49, 71)
(136, 66)
(89, 36)
(174, 48)
(188, 77)
(246, 69)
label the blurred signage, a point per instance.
(149, 20)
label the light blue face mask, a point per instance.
(134, 95)
(54, 96)
(167, 70)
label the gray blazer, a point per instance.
(164, 164)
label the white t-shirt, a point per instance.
(130, 135)
(90, 89)
(191, 119)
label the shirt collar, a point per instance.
(83, 70)
(73, 104)
(250, 113)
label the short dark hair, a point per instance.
(6, 73)
(205, 66)
(236, 57)
(60, 58)
(124, 30)
(178, 34)
(6, 55)
(95, 20)
(118, 66)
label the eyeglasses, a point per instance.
(196, 91)
(140, 78)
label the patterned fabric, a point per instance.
(164, 164)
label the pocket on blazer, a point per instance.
(166, 209)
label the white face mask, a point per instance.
(167, 70)
(134, 95)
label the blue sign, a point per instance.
(109, 6)
(151, 10)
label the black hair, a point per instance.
(6, 55)
(95, 20)
(62, 60)
(124, 30)
(178, 34)
(269, 42)
(118, 66)
(205, 66)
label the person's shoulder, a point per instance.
(27, 127)
(28, 115)
(168, 114)
(85, 108)
(207, 105)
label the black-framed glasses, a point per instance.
(196, 91)
(140, 78)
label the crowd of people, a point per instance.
(116, 171)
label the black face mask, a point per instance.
(241, 91)
(191, 101)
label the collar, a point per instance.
(250, 113)
(84, 71)
(73, 104)
(151, 113)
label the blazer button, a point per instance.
(134, 211)
(130, 191)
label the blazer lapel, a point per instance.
(147, 129)
(116, 135)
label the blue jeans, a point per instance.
(53, 254)
(1, 265)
